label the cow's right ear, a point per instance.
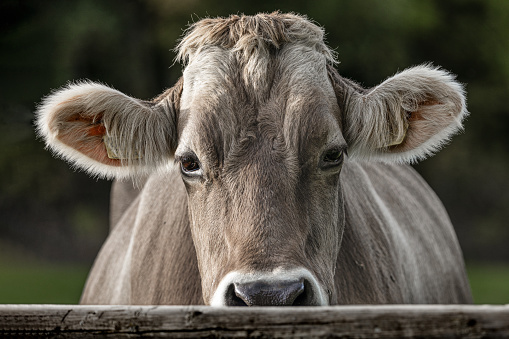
(107, 133)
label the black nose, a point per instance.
(265, 293)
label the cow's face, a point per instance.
(260, 142)
(261, 158)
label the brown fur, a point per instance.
(368, 269)
(259, 106)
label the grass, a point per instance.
(53, 284)
(490, 283)
(42, 284)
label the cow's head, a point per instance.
(260, 125)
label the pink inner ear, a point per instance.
(417, 115)
(97, 130)
(422, 125)
(86, 136)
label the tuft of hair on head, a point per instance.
(248, 34)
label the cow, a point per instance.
(264, 178)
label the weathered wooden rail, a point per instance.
(395, 321)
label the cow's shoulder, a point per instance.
(399, 243)
(149, 256)
(396, 191)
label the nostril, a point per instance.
(270, 293)
(232, 299)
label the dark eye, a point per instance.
(332, 158)
(189, 165)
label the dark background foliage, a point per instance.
(54, 213)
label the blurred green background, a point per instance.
(54, 220)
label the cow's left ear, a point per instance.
(107, 133)
(404, 119)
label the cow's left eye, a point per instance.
(190, 165)
(332, 158)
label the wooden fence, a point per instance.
(394, 321)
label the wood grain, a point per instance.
(393, 321)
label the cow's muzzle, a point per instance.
(296, 287)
